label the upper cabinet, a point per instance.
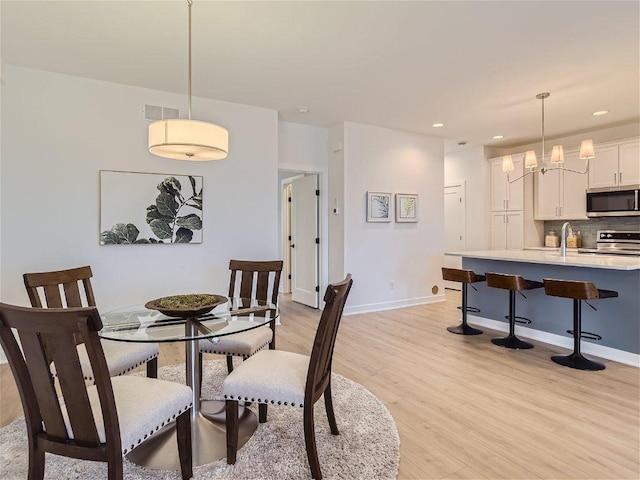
(615, 165)
(560, 194)
(507, 196)
(629, 163)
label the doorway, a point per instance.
(454, 226)
(300, 238)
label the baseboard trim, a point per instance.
(380, 307)
(601, 351)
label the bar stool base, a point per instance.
(464, 329)
(577, 361)
(512, 342)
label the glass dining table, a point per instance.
(141, 325)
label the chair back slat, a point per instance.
(51, 333)
(42, 383)
(52, 296)
(263, 274)
(246, 284)
(458, 275)
(72, 294)
(319, 372)
(64, 354)
(506, 281)
(570, 289)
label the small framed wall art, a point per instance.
(378, 207)
(406, 207)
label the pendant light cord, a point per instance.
(190, 3)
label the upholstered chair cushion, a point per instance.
(269, 376)
(144, 405)
(122, 357)
(242, 344)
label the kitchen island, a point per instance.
(617, 320)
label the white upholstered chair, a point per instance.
(285, 378)
(121, 357)
(100, 423)
(257, 280)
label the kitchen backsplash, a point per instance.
(589, 228)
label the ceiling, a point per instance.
(474, 66)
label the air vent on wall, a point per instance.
(153, 112)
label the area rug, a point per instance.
(368, 446)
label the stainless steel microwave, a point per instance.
(607, 202)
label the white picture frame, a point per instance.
(378, 207)
(406, 207)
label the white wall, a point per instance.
(393, 264)
(471, 165)
(303, 149)
(58, 131)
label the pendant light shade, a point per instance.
(557, 154)
(186, 139)
(507, 163)
(530, 160)
(183, 139)
(586, 150)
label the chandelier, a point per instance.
(556, 160)
(186, 139)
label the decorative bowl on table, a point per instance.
(186, 306)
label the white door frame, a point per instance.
(301, 171)
(454, 261)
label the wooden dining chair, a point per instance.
(101, 422)
(278, 377)
(122, 357)
(259, 281)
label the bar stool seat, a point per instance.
(466, 277)
(578, 291)
(513, 283)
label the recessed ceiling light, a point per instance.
(600, 112)
(303, 110)
(498, 137)
(437, 125)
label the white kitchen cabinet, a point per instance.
(629, 163)
(615, 165)
(507, 196)
(507, 230)
(561, 194)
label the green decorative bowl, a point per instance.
(186, 306)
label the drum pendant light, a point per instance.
(186, 139)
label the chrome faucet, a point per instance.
(563, 238)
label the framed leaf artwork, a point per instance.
(378, 207)
(149, 208)
(406, 207)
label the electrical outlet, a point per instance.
(391, 285)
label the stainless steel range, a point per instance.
(616, 242)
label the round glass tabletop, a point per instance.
(139, 324)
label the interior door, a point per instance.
(304, 237)
(454, 227)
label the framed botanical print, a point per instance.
(406, 207)
(378, 207)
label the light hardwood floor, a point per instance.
(464, 408)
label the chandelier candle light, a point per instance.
(557, 155)
(186, 139)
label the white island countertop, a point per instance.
(573, 259)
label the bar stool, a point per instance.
(578, 291)
(513, 283)
(466, 277)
